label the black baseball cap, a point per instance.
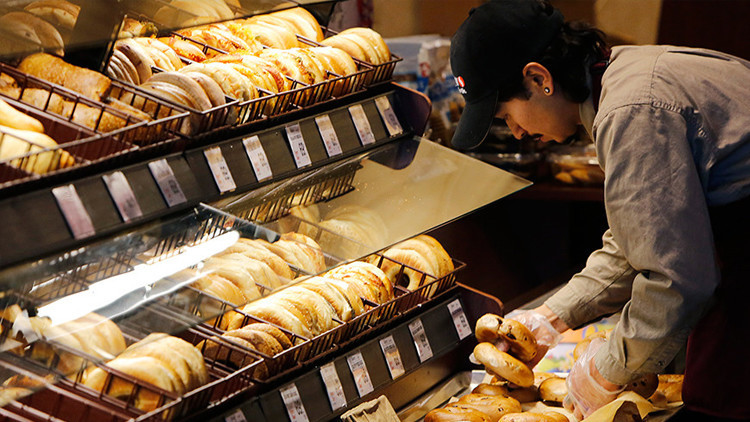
(490, 48)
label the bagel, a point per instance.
(185, 48)
(189, 85)
(216, 349)
(261, 274)
(503, 365)
(272, 36)
(549, 416)
(311, 303)
(367, 275)
(491, 327)
(271, 312)
(493, 406)
(144, 368)
(416, 276)
(303, 21)
(279, 335)
(256, 250)
(340, 304)
(35, 29)
(210, 87)
(236, 273)
(348, 45)
(522, 394)
(553, 389)
(350, 294)
(456, 414)
(232, 82)
(375, 40)
(58, 12)
(223, 289)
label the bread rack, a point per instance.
(182, 312)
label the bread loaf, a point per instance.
(54, 69)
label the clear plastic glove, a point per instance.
(585, 393)
(546, 335)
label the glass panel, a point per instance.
(397, 191)
(158, 279)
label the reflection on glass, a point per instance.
(368, 202)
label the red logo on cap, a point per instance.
(460, 82)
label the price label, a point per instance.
(389, 116)
(297, 144)
(362, 124)
(75, 213)
(328, 133)
(219, 169)
(121, 192)
(424, 350)
(167, 182)
(258, 158)
(333, 386)
(459, 319)
(361, 376)
(392, 357)
(293, 402)
(236, 416)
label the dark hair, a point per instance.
(576, 45)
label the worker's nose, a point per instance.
(516, 130)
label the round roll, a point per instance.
(456, 414)
(383, 53)
(255, 250)
(145, 368)
(493, 406)
(553, 389)
(271, 312)
(279, 335)
(320, 311)
(503, 364)
(304, 22)
(340, 304)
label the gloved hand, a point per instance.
(546, 335)
(585, 393)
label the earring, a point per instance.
(547, 90)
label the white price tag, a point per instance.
(168, 184)
(220, 169)
(459, 319)
(392, 357)
(362, 124)
(236, 416)
(328, 133)
(424, 350)
(361, 376)
(333, 386)
(258, 158)
(122, 194)
(75, 213)
(297, 143)
(389, 116)
(293, 402)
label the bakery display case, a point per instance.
(241, 254)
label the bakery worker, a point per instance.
(671, 127)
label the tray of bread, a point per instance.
(508, 390)
(123, 334)
(271, 64)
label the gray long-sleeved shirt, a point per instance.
(672, 135)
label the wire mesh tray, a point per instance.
(100, 117)
(378, 73)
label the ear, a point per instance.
(539, 77)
